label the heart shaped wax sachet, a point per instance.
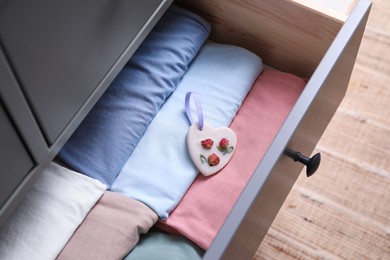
(210, 148)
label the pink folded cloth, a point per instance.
(205, 206)
(110, 230)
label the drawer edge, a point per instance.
(108, 78)
(258, 205)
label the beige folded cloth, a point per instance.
(110, 230)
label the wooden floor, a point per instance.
(343, 211)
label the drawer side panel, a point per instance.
(302, 37)
(258, 205)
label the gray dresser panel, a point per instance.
(18, 109)
(61, 50)
(14, 160)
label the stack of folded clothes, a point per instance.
(129, 158)
(160, 170)
(108, 135)
(208, 201)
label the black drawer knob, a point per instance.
(312, 163)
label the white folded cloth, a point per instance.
(49, 214)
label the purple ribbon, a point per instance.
(198, 107)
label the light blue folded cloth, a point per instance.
(106, 138)
(160, 170)
(158, 245)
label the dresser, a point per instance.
(58, 57)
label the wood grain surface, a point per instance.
(343, 211)
(263, 27)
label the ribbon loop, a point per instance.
(198, 107)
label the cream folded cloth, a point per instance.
(49, 214)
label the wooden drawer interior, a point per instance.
(285, 34)
(299, 39)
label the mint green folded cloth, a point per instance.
(157, 245)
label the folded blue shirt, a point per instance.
(108, 135)
(160, 170)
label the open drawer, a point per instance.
(294, 38)
(288, 35)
